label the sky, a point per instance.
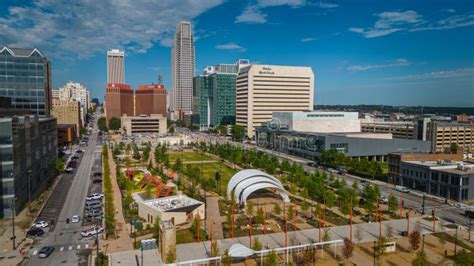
(391, 52)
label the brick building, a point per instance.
(118, 100)
(150, 99)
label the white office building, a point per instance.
(115, 66)
(318, 121)
(182, 68)
(265, 89)
(74, 91)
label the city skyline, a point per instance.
(377, 53)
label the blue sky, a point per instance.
(362, 52)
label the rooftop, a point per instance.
(171, 203)
(457, 167)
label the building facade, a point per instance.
(447, 179)
(115, 66)
(182, 67)
(67, 112)
(119, 100)
(155, 123)
(74, 91)
(67, 135)
(443, 134)
(317, 121)
(28, 147)
(264, 89)
(150, 99)
(25, 77)
(402, 130)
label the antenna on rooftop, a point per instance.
(160, 79)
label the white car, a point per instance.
(69, 170)
(95, 196)
(384, 199)
(75, 219)
(92, 231)
(402, 189)
(41, 224)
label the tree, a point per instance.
(114, 123)
(260, 219)
(59, 165)
(272, 259)
(257, 245)
(327, 235)
(380, 247)
(238, 132)
(215, 249)
(392, 203)
(355, 185)
(250, 208)
(420, 259)
(277, 209)
(348, 248)
(330, 198)
(291, 212)
(178, 165)
(463, 258)
(102, 124)
(414, 238)
(171, 256)
(453, 148)
(221, 129)
(305, 206)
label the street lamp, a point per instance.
(13, 222)
(29, 185)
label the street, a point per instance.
(70, 247)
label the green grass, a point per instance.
(189, 157)
(186, 236)
(210, 169)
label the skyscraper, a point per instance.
(264, 89)
(182, 68)
(115, 66)
(25, 77)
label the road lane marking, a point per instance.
(70, 248)
(61, 249)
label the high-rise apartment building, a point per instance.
(150, 99)
(182, 68)
(264, 89)
(214, 96)
(67, 113)
(25, 77)
(119, 100)
(115, 66)
(74, 91)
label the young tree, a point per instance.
(291, 212)
(114, 123)
(215, 249)
(330, 198)
(59, 165)
(102, 124)
(238, 132)
(257, 245)
(348, 248)
(414, 238)
(463, 258)
(171, 256)
(272, 259)
(250, 208)
(355, 185)
(260, 219)
(392, 203)
(277, 209)
(420, 259)
(327, 235)
(380, 248)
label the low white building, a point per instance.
(155, 123)
(317, 121)
(178, 209)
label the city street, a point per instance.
(70, 247)
(413, 200)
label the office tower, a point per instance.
(118, 100)
(67, 112)
(214, 96)
(25, 77)
(27, 159)
(115, 66)
(182, 67)
(264, 89)
(73, 91)
(150, 99)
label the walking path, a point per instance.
(213, 217)
(123, 241)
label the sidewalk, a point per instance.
(123, 242)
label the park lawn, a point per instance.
(210, 169)
(189, 156)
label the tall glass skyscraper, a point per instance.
(25, 78)
(182, 68)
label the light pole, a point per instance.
(13, 222)
(29, 185)
(374, 252)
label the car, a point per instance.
(75, 219)
(384, 199)
(311, 164)
(97, 174)
(79, 151)
(69, 170)
(93, 205)
(74, 157)
(96, 181)
(40, 224)
(95, 196)
(45, 251)
(35, 232)
(402, 189)
(92, 232)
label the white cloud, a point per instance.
(397, 63)
(444, 74)
(451, 10)
(308, 39)
(251, 14)
(411, 21)
(230, 46)
(86, 28)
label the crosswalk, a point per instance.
(64, 248)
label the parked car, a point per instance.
(95, 196)
(97, 174)
(96, 181)
(35, 232)
(45, 251)
(93, 212)
(75, 218)
(402, 189)
(384, 199)
(469, 214)
(69, 170)
(40, 224)
(74, 157)
(93, 205)
(311, 164)
(92, 232)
